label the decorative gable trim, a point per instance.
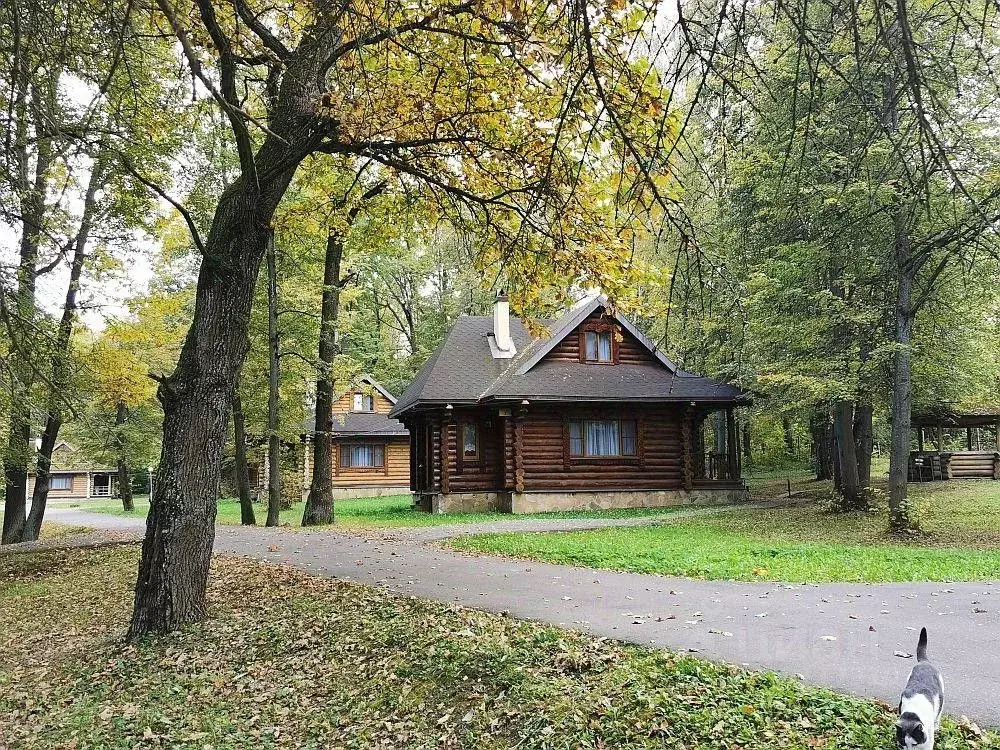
(371, 382)
(569, 324)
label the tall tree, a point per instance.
(424, 92)
(274, 499)
(61, 354)
(247, 516)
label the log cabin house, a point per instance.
(371, 453)
(74, 477)
(591, 416)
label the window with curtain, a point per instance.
(470, 440)
(61, 482)
(602, 437)
(364, 402)
(597, 346)
(362, 456)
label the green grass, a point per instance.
(395, 511)
(960, 541)
(51, 531)
(287, 660)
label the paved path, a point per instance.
(841, 635)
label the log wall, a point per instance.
(484, 474)
(395, 473)
(629, 350)
(548, 465)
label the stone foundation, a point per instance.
(463, 502)
(546, 502)
(353, 493)
(557, 500)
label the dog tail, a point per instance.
(922, 645)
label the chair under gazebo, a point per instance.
(962, 444)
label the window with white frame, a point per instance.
(362, 456)
(61, 482)
(364, 402)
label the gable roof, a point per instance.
(579, 313)
(361, 424)
(373, 383)
(365, 424)
(463, 371)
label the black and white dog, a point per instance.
(920, 703)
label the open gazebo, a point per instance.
(955, 444)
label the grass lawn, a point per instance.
(287, 660)
(961, 521)
(52, 531)
(376, 512)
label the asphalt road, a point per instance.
(855, 638)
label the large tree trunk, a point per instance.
(124, 469)
(864, 442)
(274, 500)
(60, 357)
(319, 503)
(847, 456)
(197, 398)
(819, 430)
(242, 473)
(902, 394)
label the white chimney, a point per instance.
(501, 344)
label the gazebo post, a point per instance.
(968, 439)
(920, 439)
(940, 439)
(733, 455)
(997, 426)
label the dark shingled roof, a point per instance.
(358, 424)
(361, 424)
(463, 371)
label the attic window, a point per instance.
(598, 346)
(364, 402)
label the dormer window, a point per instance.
(598, 346)
(364, 402)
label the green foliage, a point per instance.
(119, 366)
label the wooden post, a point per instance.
(412, 445)
(997, 427)
(732, 455)
(686, 446)
(940, 439)
(519, 448)
(920, 439)
(968, 439)
(445, 451)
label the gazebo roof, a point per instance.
(947, 416)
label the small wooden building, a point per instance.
(592, 415)
(74, 477)
(954, 444)
(371, 454)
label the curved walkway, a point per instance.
(853, 637)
